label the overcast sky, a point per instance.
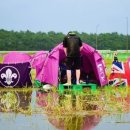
(65, 15)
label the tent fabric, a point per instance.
(128, 59)
(92, 63)
(38, 60)
(16, 57)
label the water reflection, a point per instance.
(15, 101)
(75, 122)
(37, 110)
(62, 111)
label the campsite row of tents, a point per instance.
(16, 67)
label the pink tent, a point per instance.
(16, 57)
(38, 60)
(128, 59)
(92, 64)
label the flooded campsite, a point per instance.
(30, 104)
(65, 65)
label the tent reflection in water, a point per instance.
(63, 114)
(75, 122)
(92, 66)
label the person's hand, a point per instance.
(65, 50)
(81, 48)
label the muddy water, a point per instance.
(36, 110)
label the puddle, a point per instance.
(31, 109)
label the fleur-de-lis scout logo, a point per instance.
(9, 76)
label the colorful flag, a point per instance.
(15, 75)
(120, 74)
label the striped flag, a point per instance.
(120, 74)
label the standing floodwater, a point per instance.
(29, 109)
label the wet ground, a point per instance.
(36, 110)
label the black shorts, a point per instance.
(73, 63)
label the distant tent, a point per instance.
(92, 65)
(16, 57)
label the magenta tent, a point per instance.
(128, 59)
(16, 70)
(92, 64)
(16, 57)
(38, 60)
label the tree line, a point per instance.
(30, 41)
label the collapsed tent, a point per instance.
(92, 66)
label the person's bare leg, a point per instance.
(69, 77)
(77, 76)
